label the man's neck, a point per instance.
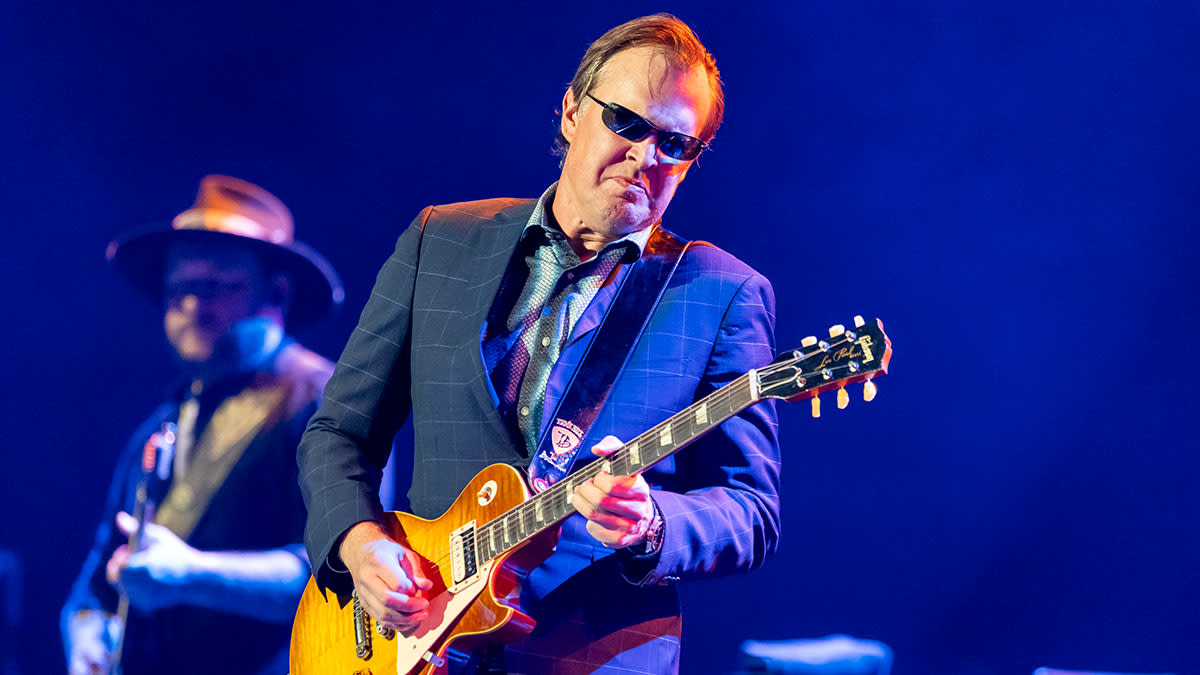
(562, 214)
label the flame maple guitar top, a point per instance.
(323, 634)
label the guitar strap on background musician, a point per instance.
(606, 357)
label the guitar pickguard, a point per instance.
(444, 610)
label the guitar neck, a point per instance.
(546, 509)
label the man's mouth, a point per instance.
(630, 182)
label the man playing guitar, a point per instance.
(477, 327)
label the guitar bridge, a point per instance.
(464, 566)
(362, 630)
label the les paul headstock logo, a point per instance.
(860, 350)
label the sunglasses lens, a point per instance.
(625, 123)
(678, 146)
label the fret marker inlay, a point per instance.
(702, 414)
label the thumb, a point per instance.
(412, 567)
(126, 523)
(607, 446)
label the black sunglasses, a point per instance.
(633, 127)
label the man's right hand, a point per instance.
(387, 577)
(88, 638)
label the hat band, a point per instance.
(229, 223)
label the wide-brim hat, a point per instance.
(233, 211)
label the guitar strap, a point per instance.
(605, 358)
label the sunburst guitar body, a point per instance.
(330, 638)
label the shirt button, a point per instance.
(545, 342)
(524, 411)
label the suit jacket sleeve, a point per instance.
(723, 515)
(347, 443)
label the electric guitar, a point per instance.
(497, 530)
(156, 456)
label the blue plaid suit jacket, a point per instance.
(416, 350)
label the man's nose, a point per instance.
(189, 303)
(645, 151)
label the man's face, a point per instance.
(616, 186)
(207, 291)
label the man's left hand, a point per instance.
(157, 575)
(619, 509)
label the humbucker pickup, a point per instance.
(463, 562)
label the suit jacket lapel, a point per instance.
(495, 242)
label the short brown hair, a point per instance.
(665, 31)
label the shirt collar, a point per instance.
(634, 242)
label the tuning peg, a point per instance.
(843, 398)
(868, 391)
(809, 341)
(816, 406)
(858, 321)
(836, 330)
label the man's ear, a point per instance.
(570, 116)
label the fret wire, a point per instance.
(621, 466)
(683, 430)
(530, 508)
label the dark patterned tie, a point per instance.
(520, 359)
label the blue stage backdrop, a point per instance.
(1010, 187)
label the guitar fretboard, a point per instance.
(547, 508)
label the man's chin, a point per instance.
(193, 352)
(627, 218)
(193, 358)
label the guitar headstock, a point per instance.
(848, 356)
